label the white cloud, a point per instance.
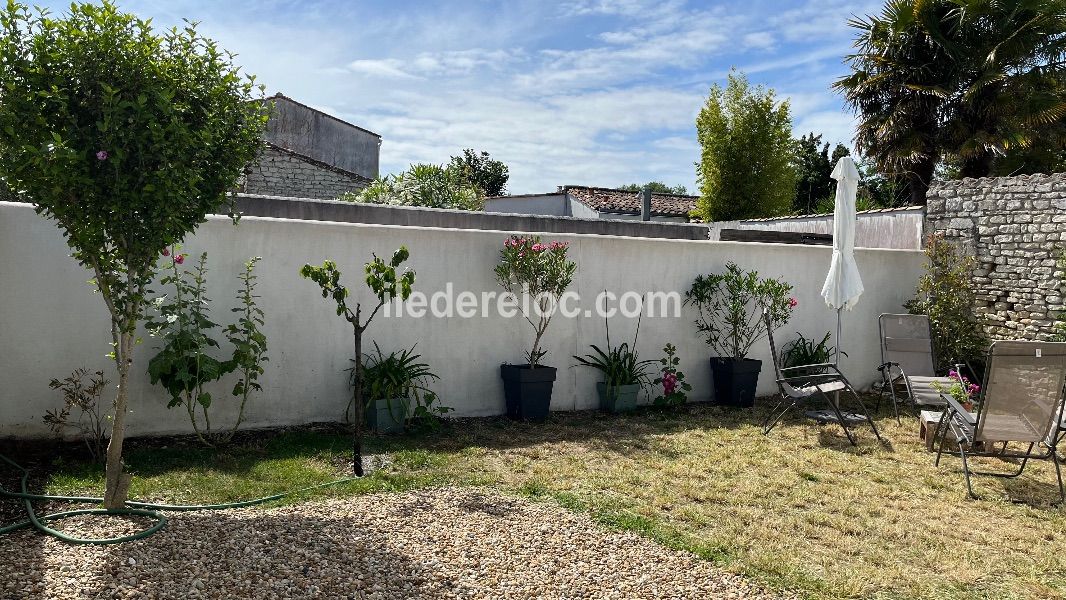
(761, 40)
(386, 68)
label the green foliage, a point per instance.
(481, 170)
(944, 293)
(400, 375)
(656, 187)
(386, 284)
(183, 365)
(85, 397)
(126, 138)
(675, 387)
(248, 340)
(814, 168)
(542, 271)
(431, 186)
(620, 365)
(802, 351)
(965, 80)
(746, 165)
(731, 305)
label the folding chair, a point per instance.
(1021, 401)
(798, 385)
(907, 361)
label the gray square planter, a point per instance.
(618, 398)
(387, 416)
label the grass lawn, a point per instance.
(800, 509)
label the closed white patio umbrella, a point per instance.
(843, 284)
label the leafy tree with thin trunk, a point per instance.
(746, 166)
(126, 138)
(383, 281)
(488, 174)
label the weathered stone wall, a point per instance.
(1016, 229)
(280, 172)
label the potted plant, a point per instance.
(395, 387)
(624, 374)
(801, 352)
(731, 307)
(542, 272)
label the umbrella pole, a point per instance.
(836, 359)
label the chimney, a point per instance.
(645, 209)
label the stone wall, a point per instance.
(1016, 229)
(280, 172)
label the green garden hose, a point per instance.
(136, 509)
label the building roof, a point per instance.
(609, 200)
(280, 96)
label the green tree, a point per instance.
(657, 187)
(432, 186)
(969, 81)
(746, 164)
(814, 168)
(489, 175)
(127, 139)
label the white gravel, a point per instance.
(439, 543)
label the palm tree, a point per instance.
(965, 80)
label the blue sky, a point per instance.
(596, 92)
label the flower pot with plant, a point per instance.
(542, 272)
(624, 374)
(396, 390)
(730, 306)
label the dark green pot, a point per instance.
(618, 398)
(387, 416)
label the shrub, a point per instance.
(731, 307)
(802, 351)
(675, 387)
(383, 281)
(86, 399)
(432, 186)
(620, 365)
(543, 272)
(945, 294)
(399, 374)
(184, 365)
(126, 139)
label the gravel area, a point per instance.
(439, 543)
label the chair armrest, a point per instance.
(887, 365)
(814, 366)
(957, 408)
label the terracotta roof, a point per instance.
(608, 200)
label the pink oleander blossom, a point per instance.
(180, 258)
(539, 247)
(166, 251)
(793, 303)
(102, 155)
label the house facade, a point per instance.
(311, 154)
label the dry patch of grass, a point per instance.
(800, 509)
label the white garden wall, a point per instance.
(51, 321)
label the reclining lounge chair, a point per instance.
(907, 361)
(1021, 402)
(800, 384)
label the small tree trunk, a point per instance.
(117, 483)
(357, 441)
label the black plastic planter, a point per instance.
(735, 381)
(528, 391)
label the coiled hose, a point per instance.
(136, 509)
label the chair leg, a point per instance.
(768, 425)
(867, 413)
(895, 402)
(943, 434)
(966, 472)
(1025, 460)
(843, 423)
(1058, 475)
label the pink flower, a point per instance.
(538, 247)
(179, 258)
(101, 155)
(792, 303)
(166, 251)
(953, 373)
